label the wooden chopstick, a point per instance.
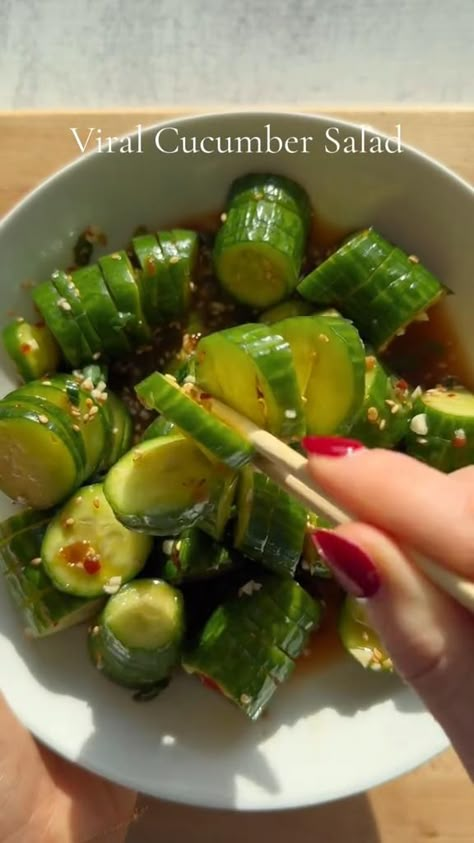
(289, 469)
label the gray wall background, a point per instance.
(99, 53)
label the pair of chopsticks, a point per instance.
(289, 469)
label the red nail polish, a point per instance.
(351, 566)
(330, 446)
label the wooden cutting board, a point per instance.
(435, 802)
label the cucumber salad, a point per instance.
(144, 514)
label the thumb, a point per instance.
(429, 637)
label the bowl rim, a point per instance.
(163, 791)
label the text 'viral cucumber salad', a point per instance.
(145, 513)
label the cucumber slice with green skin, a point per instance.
(153, 276)
(57, 314)
(119, 277)
(194, 556)
(258, 252)
(41, 462)
(441, 430)
(159, 427)
(329, 360)
(183, 408)
(63, 392)
(374, 283)
(87, 552)
(221, 503)
(311, 560)
(250, 368)
(69, 293)
(120, 430)
(384, 416)
(270, 526)
(180, 250)
(100, 309)
(241, 650)
(32, 348)
(360, 640)
(286, 310)
(164, 485)
(284, 192)
(43, 609)
(137, 640)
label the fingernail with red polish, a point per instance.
(353, 569)
(330, 446)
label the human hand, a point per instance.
(44, 799)
(399, 503)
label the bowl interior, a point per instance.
(328, 733)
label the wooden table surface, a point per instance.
(433, 803)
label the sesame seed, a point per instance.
(389, 402)
(36, 561)
(20, 319)
(416, 393)
(422, 441)
(89, 402)
(249, 588)
(370, 362)
(323, 338)
(290, 414)
(78, 499)
(223, 217)
(64, 305)
(43, 419)
(116, 256)
(382, 424)
(93, 411)
(96, 503)
(400, 332)
(95, 630)
(422, 317)
(365, 636)
(69, 522)
(76, 428)
(137, 455)
(97, 355)
(395, 409)
(372, 414)
(168, 547)
(245, 699)
(87, 385)
(419, 424)
(413, 259)
(101, 386)
(46, 383)
(174, 259)
(115, 431)
(113, 585)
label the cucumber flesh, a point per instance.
(87, 552)
(57, 314)
(40, 464)
(251, 369)
(137, 640)
(32, 348)
(384, 416)
(153, 275)
(164, 485)
(120, 428)
(441, 429)
(101, 310)
(194, 556)
(360, 640)
(43, 609)
(119, 276)
(180, 250)
(278, 189)
(69, 293)
(329, 360)
(184, 408)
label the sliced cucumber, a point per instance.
(159, 427)
(279, 189)
(193, 555)
(43, 609)
(311, 560)
(180, 250)
(270, 525)
(259, 249)
(69, 293)
(185, 409)
(250, 368)
(120, 427)
(243, 648)
(383, 418)
(101, 310)
(360, 640)
(286, 310)
(329, 360)
(136, 642)
(220, 508)
(87, 552)
(164, 485)
(32, 348)
(41, 462)
(374, 283)
(153, 275)
(119, 277)
(63, 392)
(57, 313)
(441, 430)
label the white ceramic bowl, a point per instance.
(326, 735)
